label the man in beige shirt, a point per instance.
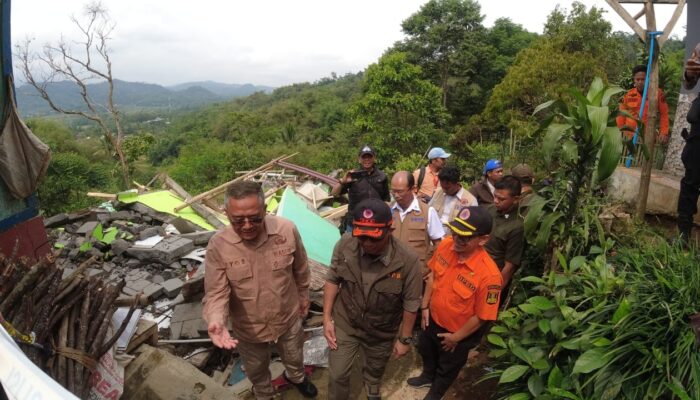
(256, 272)
(426, 178)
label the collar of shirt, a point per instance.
(457, 195)
(402, 213)
(492, 189)
(384, 258)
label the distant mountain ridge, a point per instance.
(133, 95)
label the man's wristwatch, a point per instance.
(405, 339)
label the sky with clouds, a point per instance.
(264, 42)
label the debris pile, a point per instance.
(145, 248)
(60, 319)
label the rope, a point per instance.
(77, 355)
(652, 36)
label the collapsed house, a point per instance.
(116, 308)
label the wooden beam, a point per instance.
(639, 14)
(671, 23)
(222, 188)
(652, 117)
(615, 5)
(200, 209)
(644, 1)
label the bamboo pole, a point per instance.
(652, 116)
(201, 210)
(221, 188)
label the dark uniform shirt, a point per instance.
(372, 297)
(372, 185)
(507, 238)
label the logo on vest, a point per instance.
(466, 283)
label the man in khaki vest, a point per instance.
(415, 223)
(451, 196)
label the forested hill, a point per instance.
(134, 95)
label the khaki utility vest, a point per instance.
(413, 230)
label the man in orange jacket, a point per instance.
(632, 102)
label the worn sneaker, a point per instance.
(306, 388)
(419, 381)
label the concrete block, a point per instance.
(138, 285)
(56, 220)
(158, 375)
(195, 285)
(193, 329)
(663, 190)
(199, 238)
(119, 246)
(165, 252)
(158, 279)
(172, 287)
(152, 231)
(153, 291)
(86, 228)
(187, 311)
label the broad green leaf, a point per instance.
(513, 373)
(543, 324)
(529, 308)
(560, 280)
(532, 279)
(561, 393)
(610, 92)
(519, 396)
(545, 228)
(677, 388)
(59, 245)
(590, 361)
(622, 311)
(557, 326)
(543, 106)
(495, 339)
(595, 89)
(555, 377)
(97, 232)
(602, 342)
(535, 385)
(570, 151)
(540, 364)
(498, 353)
(520, 352)
(610, 153)
(499, 329)
(109, 236)
(551, 139)
(541, 302)
(534, 215)
(598, 117)
(570, 344)
(85, 246)
(576, 263)
(612, 387)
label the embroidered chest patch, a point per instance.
(464, 281)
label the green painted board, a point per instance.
(319, 236)
(165, 201)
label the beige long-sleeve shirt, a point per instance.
(256, 285)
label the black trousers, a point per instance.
(439, 365)
(690, 184)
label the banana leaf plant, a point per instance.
(582, 147)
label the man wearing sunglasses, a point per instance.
(461, 294)
(256, 277)
(372, 293)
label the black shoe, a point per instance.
(306, 388)
(432, 396)
(419, 381)
(374, 397)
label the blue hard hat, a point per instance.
(492, 164)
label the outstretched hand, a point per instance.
(220, 337)
(329, 333)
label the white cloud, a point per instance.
(270, 42)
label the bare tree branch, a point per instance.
(58, 63)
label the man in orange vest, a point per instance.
(632, 102)
(461, 294)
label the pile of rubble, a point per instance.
(133, 251)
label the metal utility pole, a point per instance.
(648, 36)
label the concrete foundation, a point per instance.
(663, 190)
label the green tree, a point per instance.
(400, 112)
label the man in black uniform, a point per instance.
(690, 184)
(367, 182)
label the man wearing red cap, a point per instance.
(461, 294)
(372, 293)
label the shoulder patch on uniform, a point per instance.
(493, 287)
(492, 296)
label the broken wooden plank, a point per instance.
(108, 196)
(201, 210)
(222, 188)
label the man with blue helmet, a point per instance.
(484, 189)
